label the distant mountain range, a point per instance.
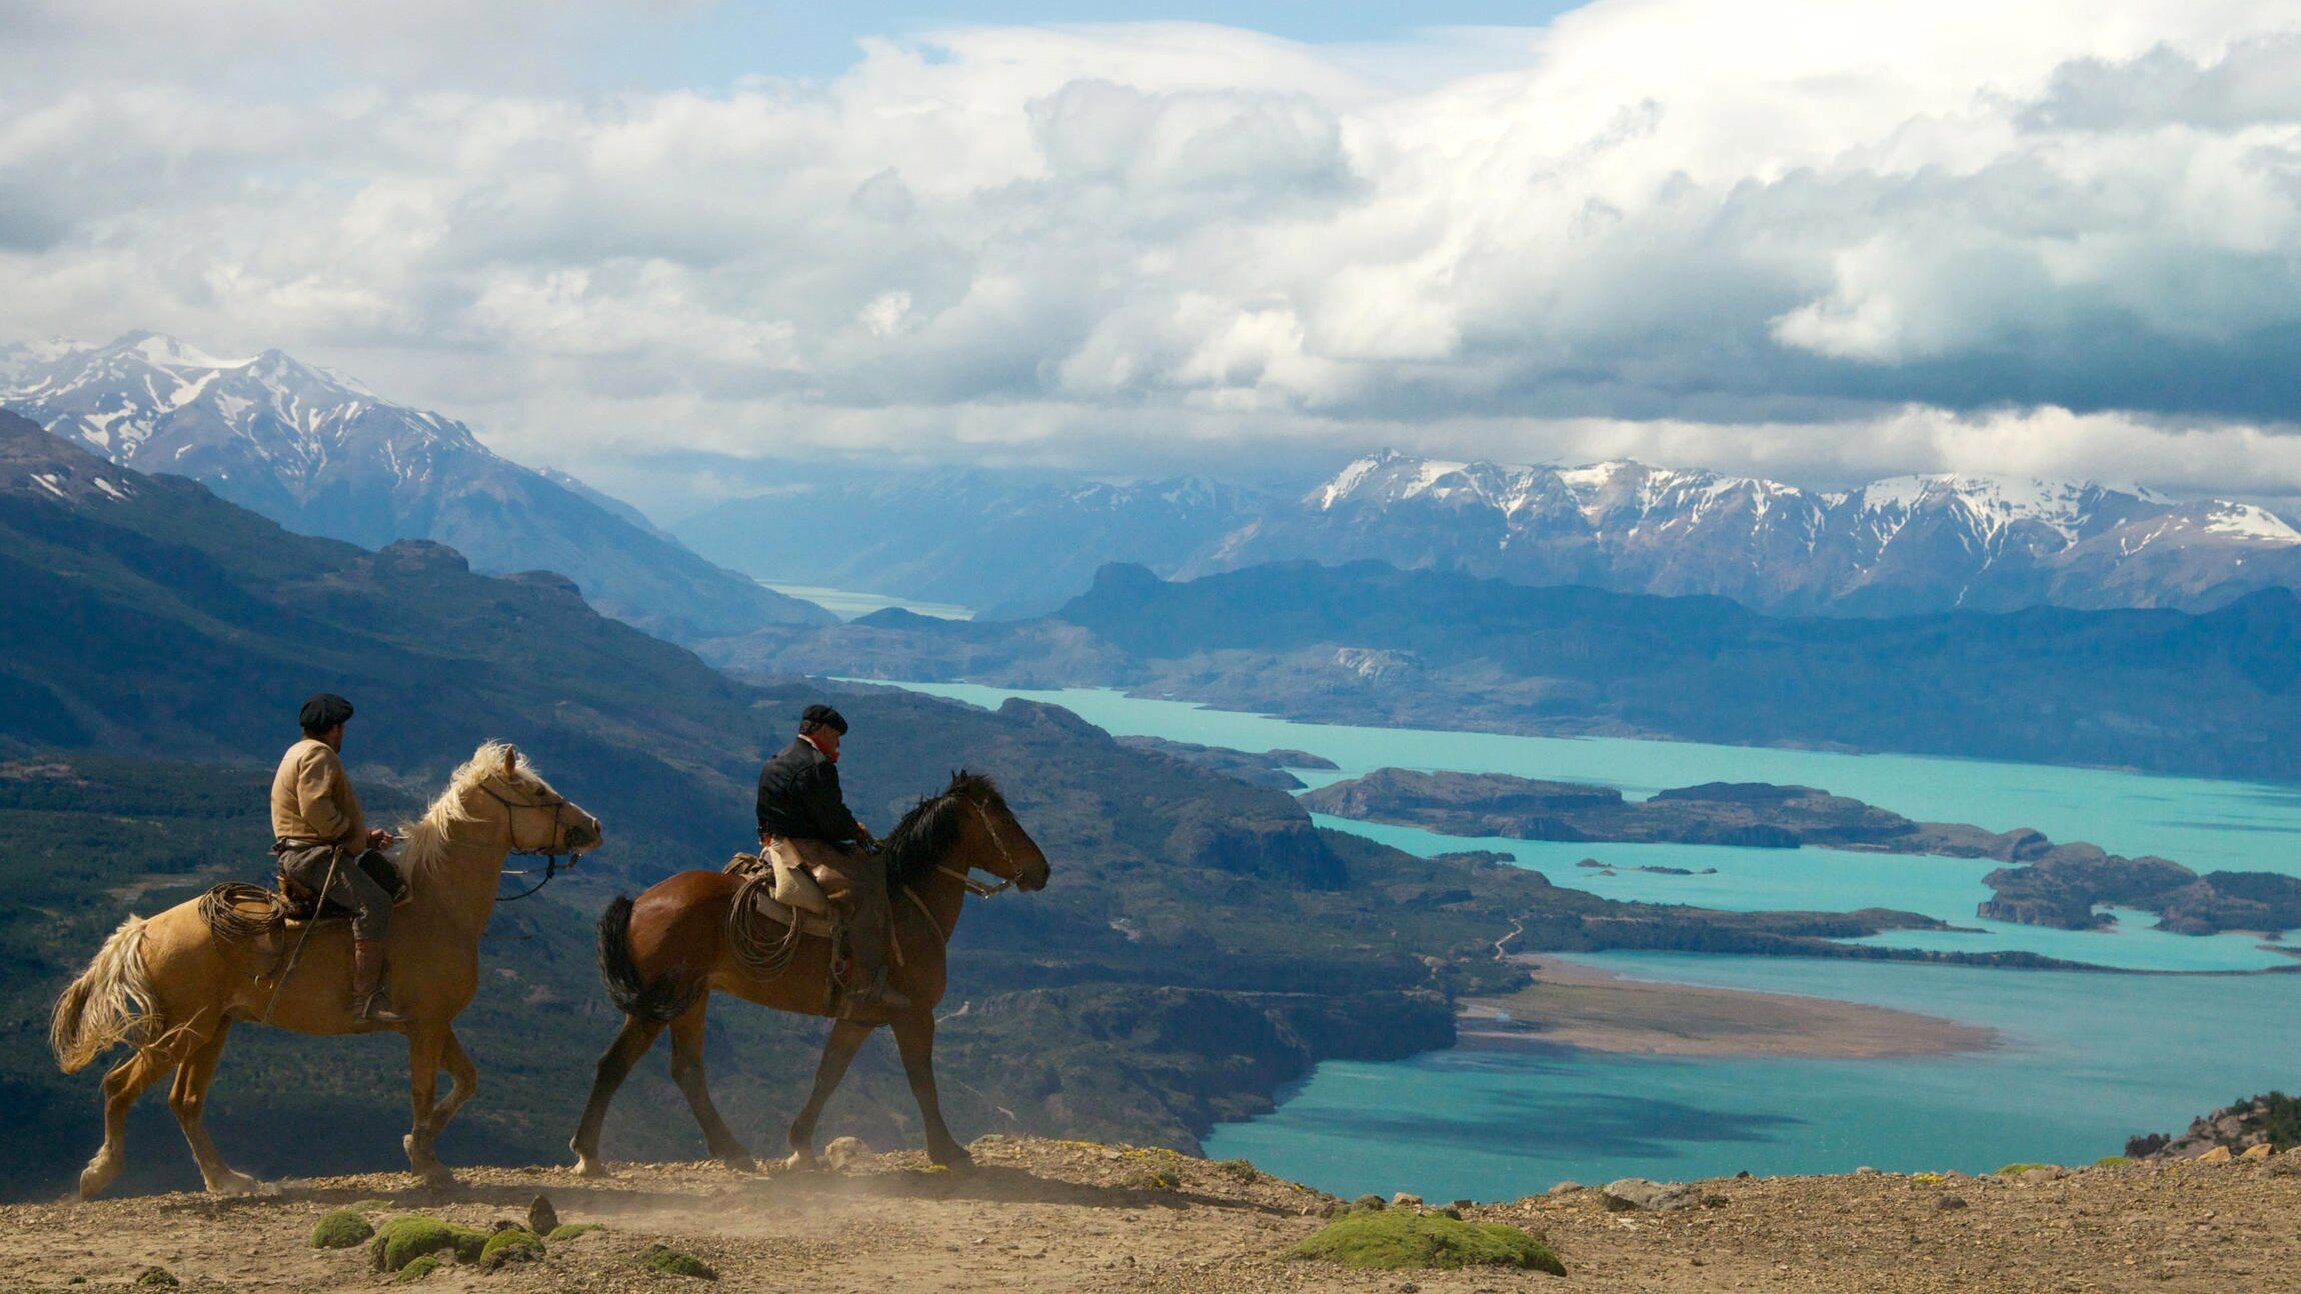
(1905, 546)
(322, 454)
(1007, 543)
(1018, 544)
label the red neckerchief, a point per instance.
(809, 738)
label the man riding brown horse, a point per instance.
(325, 847)
(803, 814)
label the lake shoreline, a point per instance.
(1589, 1009)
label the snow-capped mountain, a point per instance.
(1906, 545)
(320, 453)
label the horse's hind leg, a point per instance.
(188, 1098)
(126, 1081)
(632, 1042)
(687, 1071)
(846, 1038)
(915, 1039)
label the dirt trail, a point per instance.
(1065, 1216)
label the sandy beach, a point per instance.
(1574, 1005)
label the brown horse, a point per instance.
(172, 989)
(663, 955)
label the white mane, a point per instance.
(428, 838)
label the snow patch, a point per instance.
(2244, 521)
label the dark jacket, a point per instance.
(799, 796)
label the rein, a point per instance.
(557, 804)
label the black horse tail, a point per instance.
(658, 1003)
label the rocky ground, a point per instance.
(1065, 1216)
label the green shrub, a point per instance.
(2011, 1170)
(2112, 1161)
(671, 1262)
(1398, 1238)
(510, 1245)
(157, 1276)
(418, 1269)
(570, 1230)
(1241, 1169)
(341, 1229)
(403, 1240)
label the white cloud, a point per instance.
(1784, 235)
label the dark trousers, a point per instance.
(364, 882)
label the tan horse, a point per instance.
(172, 990)
(664, 955)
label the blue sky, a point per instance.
(1798, 238)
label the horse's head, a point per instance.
(968, 824)
(497, 796)
(1012, 855)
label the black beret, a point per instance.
(322, 711)
(826, 716)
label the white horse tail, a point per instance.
(111, 1002)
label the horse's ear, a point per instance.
(510, 760)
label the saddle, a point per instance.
(782, 891)
(298, 903)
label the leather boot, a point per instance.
(371, 1002)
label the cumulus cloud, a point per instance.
(1790, 235)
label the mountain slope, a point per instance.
(321, 454)
(1906, 546)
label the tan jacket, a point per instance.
(312, 800)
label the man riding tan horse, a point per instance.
(804, 820)
(327, 850)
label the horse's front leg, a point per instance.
(462, 1077)
(915, 1038)
(424, 1048)
(687, 1034)
(846, 1038)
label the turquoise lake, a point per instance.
(2085, 1060)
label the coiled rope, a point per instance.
(238, 911)
(761, 952)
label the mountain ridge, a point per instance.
(321, 453)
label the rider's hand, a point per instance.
(378, 838)
(863, 834)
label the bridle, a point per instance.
(558, 804)
(974, 887)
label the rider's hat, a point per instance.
(825, 716)
(322, 711)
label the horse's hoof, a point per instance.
(956, 1159)
(230, 1182)
(740, 1163)
(801, 1161)
(586, 1166)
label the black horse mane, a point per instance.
(928, 833)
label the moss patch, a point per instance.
(671, 1262)
(570, 1230)
(2113, 1161)
(157, 1276)
(1397, 1238)
(403, 1240)
(418, 1269)
(341, 1230)
(2011, 1170)
(510, 1245)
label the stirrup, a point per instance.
(377, 1009)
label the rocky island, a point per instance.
(2050, 884)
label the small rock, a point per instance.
(157, 1276)
(1459, 1205)
(542, 1219)
(1955, 1175)
(1564, 1188)
(1450, 1212)
(2217, 1155)
(1948, 1202)
(1369, 1201)
(2261, 1151)
(2041, 1173)
(1403, 1200)
(1627, 1193)
(845, 1152)
(1742, 1176)
(1865, 1171)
